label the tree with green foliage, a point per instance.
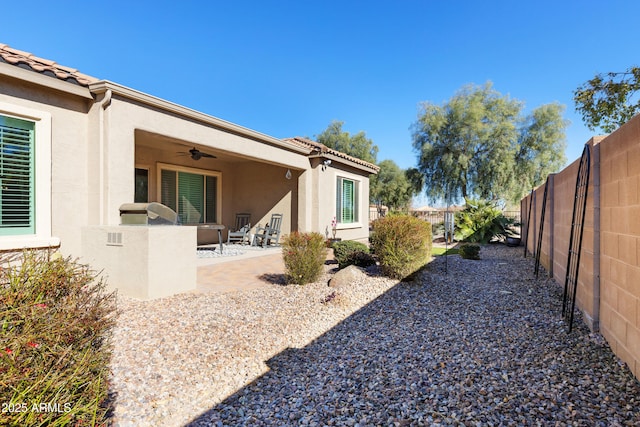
(478, 144)
(416, 180)
(391, 187)
(540, 149)
(357, 145)
(609, 100)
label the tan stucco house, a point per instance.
(76, 148)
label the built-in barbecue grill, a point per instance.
(147, 214)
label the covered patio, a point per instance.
(215, 187)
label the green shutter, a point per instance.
(356, 198)
(169, 189)
(347, 201)
(191, 197)
(211, 199)
(17, 176)
(339, 200)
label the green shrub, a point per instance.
(55, 319)
(350, 252)
(304, 255)
(362, 259)
(480, 222)
(469, 251)
(402, 244)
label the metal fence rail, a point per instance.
(575, 239)
(541, 230)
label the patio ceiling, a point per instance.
(166, 143)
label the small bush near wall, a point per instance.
(55, 319)
(350, 252)
(469, 251)
(304, 255)
(402, 244)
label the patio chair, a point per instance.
(240, 233)
(269, 234)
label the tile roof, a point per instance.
(43, 66)
(323, 149)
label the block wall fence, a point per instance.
(608, 293)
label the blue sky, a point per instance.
(288, 68)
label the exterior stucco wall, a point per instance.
(67, 207)
(143, 262)
(262, 190)
(325, 202)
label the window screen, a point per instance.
(17, 176)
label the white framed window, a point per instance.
(195, 194)
(347, 200)
(25, 178)
(17, 176)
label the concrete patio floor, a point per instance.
(250, 270)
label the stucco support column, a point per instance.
(119, 163)
(305, 200)
(103, 178)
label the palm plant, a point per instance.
(481, 221)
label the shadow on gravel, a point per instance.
(281, 278)
(274, 279)
(482, 345)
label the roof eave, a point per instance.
(372, 169)
(15, 72)
(143, 98)
(319, 150)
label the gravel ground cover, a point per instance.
(482, 345)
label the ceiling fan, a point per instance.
(197, 154)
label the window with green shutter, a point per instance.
(194, 196)
(211, 198)
(169, 188)
(190, 198)
(347, 201)
(17, 176)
